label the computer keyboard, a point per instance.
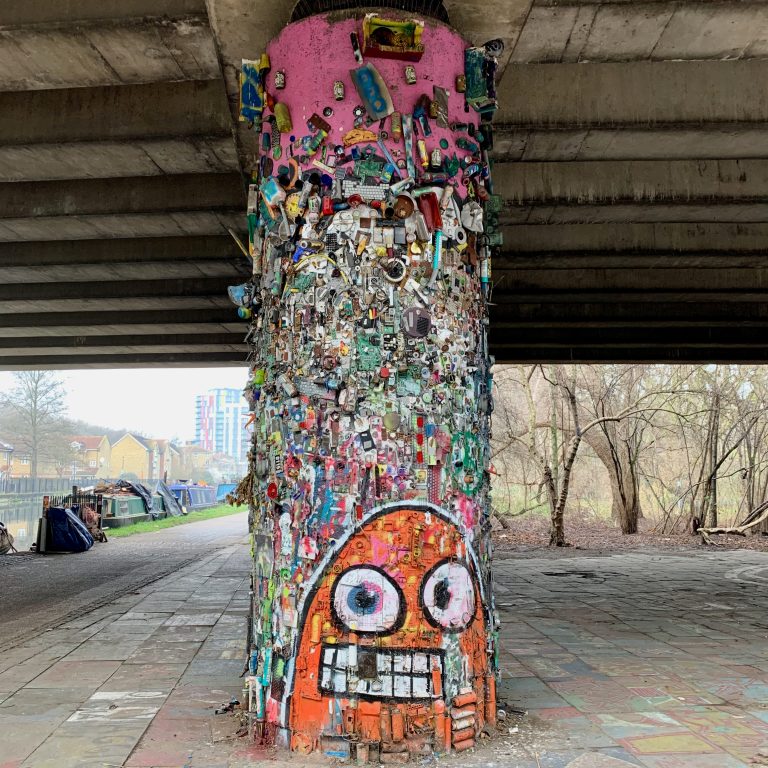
(367, 192)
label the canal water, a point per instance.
(21, 513)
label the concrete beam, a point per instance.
(107, 53)
(625, 31)
(508, 315)
(614, 181)
(190, 204)
(232, 269)
(703, 211)
(113, 226)
(235, 349)
(18, 13)
(637, 93)
(159, 194)
(116, 113)
(111, 159)
(112, 322)
(658, 260)
(96, 304)
(120, 251)
(156, 288)
(637, 237)
(588, 281)
(136, 360)
(623, 354)
(126, 343)
(638, 337)
(713, 141)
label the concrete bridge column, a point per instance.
(373, 625)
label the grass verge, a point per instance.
(223, 510)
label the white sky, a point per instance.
(155, 402)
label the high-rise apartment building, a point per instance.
(220, 420)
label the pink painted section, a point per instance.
(314, 53)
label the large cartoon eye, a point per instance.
(365, 599)
(448, 596)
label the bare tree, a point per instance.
(34, 410)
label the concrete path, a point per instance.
(39, 591)
(641, 659)
(654, 660)
(136, 681)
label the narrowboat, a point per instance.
(192, 496)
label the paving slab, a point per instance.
(656, 661)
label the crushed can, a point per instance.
(280, 79)
(283, 117)
(338, 90)
(410, 75)
(397, 125)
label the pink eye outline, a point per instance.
(448, 596)
(366, 600)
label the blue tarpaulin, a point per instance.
(67, 533)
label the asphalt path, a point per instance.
(39, 592)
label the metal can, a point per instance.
(461, 83)
(397, 125)
(280, 79)
(422, 145)
(410, 74)
(338, 90)
(436, 159)
(283, 117)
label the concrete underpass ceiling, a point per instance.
(631, 150)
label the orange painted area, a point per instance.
(406, 545)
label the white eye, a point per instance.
(448, 596)
(365, 599)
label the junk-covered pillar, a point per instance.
(373, 626)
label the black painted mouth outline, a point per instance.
(410, 653)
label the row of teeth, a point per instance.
(400, 674)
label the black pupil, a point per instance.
(442, 594)
(365, 599)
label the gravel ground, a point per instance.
(41, 591)
(528, 536)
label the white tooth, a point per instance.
(402, 662)
(402, 686)
(326, 681)
(420, 686)
(341, 658)
(363, 686)
(339, 682)
(420, 662)
(386, 684)
(328, 656)
(384, 661)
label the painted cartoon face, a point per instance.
(395, 616)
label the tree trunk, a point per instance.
(557, 527)
(626, 507)
(622, 473)
(713, 481)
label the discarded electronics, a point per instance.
(374, 629)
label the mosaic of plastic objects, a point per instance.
(372, 221)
